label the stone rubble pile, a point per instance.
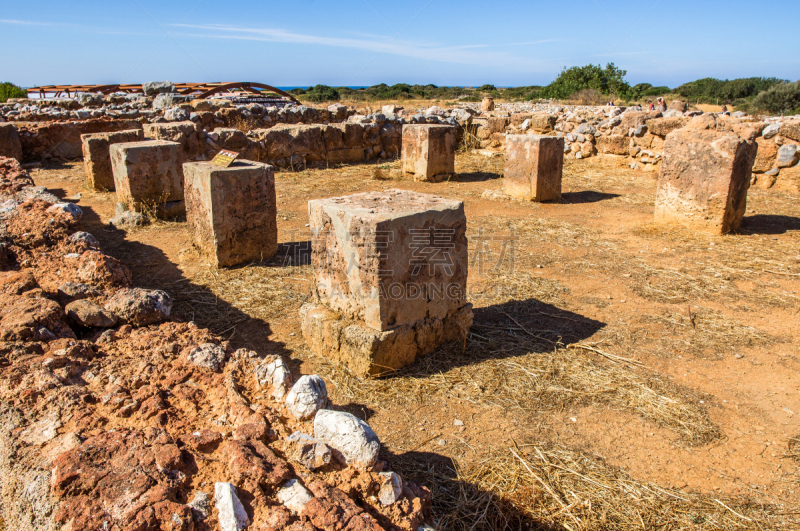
(113, 415)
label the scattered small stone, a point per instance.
(306, 397)
(127, 220)
(307, 451)
(91, 315)
(391, 490)
(69, 208)
(207, 355)
(275, 373)
(140, 307)
(458, 422)
(294, 496)
(351, 439)
(231, 513)
(201, 506)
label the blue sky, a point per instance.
(365, 42)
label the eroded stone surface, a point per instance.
(97, 158)
(231, 211)
(429, 151)
(533, 167)
(148, 174)
(370, 352)
(389, 258)
(704, 177)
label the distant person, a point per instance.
(639, 106)
(662, 105)
(725, 111)
(650, 106)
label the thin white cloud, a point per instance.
(30, 22)
(467, 54)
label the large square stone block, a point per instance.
(704, 178)
(533, 168)
(389, 258)
(10, 145)
(149, 174)
(184, 133)
(429, 151)
(97, 158)
(231, 211)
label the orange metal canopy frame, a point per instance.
(199, 90)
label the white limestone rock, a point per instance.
(231, 513)
(391, 489)
(294, 496)
(274, 372)
(306, 397)
(351, 439)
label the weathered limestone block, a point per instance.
(367, 246)
(613, 144)
(539, 122)
(487, 104)
(184, 133)
(767, 155)
(369, 352)
(677, 105)
(63, 139)
(704, 179)
(497, 124)
(10, 145)
(390, 278)
(231, 211)
(429, 151)
(97, 159)
(533, 167)
(664, 126)
(149, 174)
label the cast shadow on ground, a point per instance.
(152, 269)
(586, 196)
(499, 331)
(478, 176)
(769, 224)
(457, 503)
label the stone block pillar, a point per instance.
(429, 151)
(231, 211)
(149, 174)
(533, 168)
(97, 158)
(704, 178)
(390, 274)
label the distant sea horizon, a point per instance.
(307, 86)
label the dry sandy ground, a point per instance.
(669, 355)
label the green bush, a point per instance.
(710, 90)
(487, 88)
(608, 80)
(9, 90)
(320, 93)
(780, 99)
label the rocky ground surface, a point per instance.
(116, 416)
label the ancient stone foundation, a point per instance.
(429, 151)
(704, 179)
(10, 146)
(390, 271)
(97, 159)
(533, 167)
(231, 211)
(149, 175)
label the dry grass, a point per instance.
(532, 486)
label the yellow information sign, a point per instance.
(224, 158)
